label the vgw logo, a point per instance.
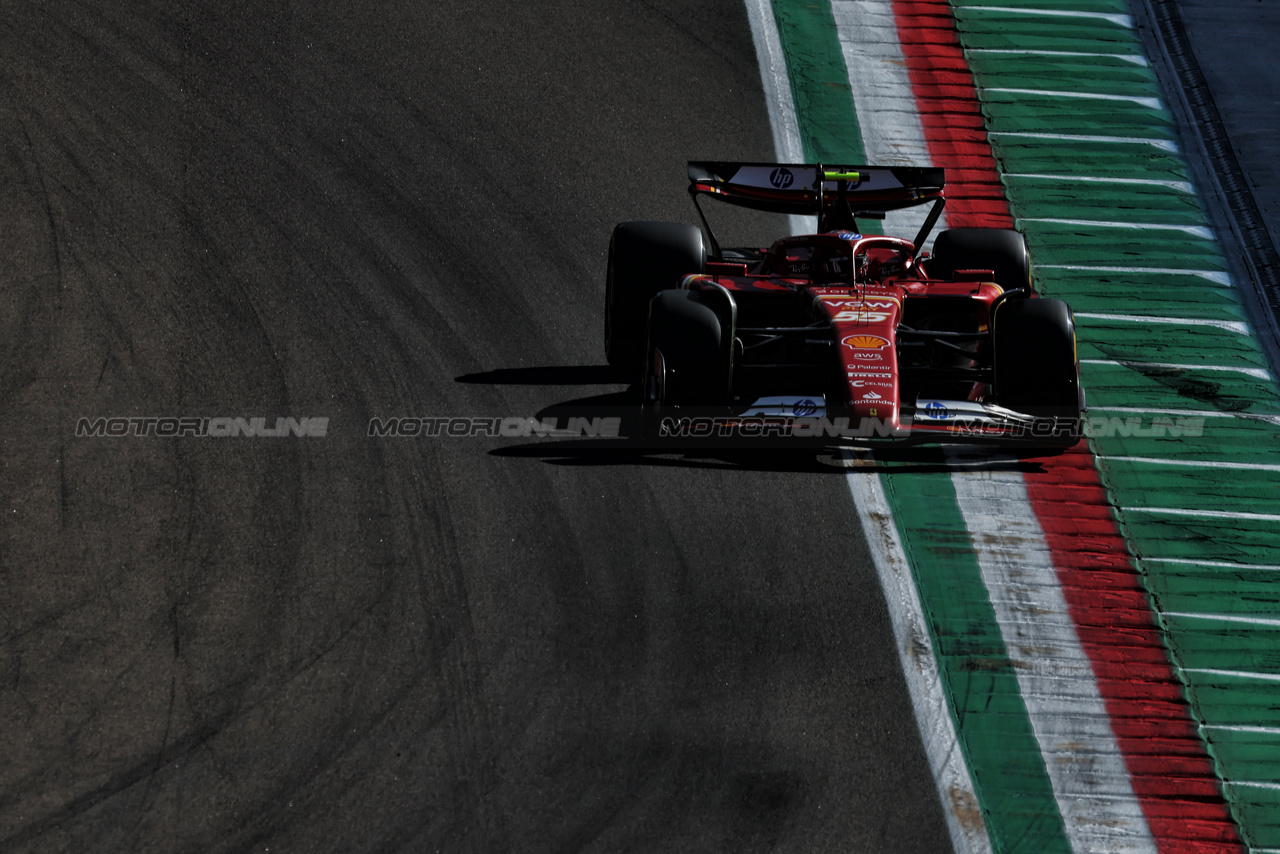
(781, 178)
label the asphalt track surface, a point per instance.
(350, 210)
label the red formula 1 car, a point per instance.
(838, 334)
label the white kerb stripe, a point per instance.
(1085, 766)
(883, 99)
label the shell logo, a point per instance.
(865, 342)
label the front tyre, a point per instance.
(687, 366)
(1037, 371)
(644, 258)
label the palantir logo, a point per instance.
(781, 178)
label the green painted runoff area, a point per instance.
(1162, 330)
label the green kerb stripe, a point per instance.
(829, 129)
(995, 731)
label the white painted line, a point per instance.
(915, 654)
(1125, 21)
(1218, 278)
(1085, 766)
(1221, 564)
(1235, 674)
(1237, 326)
(1194, 230)
(1199, 413)
(1256, 784)
(1136, 59)
(1155, 142)
(1260, 730)
(777, 95)
(777, 85)
(1190, 413)
(1140, 100)
(1180, 186)
(1206, 514)
(1259, 373)
(1224, 618)
(1212, 464)
(883, 99)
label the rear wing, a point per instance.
(836, 195)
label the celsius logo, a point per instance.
(781, 178)
(804, 408)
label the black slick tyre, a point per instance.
(1002, 250)
(1037, 371)
(644, 258)
(687, 366)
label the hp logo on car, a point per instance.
(781, 178)
(933, 409)
(804, 408)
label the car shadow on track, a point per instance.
(821, 459)
(622, 444)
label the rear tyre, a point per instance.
(644, 258)
(1036, 368)
(686, 364)
(1001, 250)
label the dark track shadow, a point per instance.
(773, 457)
(550, 375)
(626, 447)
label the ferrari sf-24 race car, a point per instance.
(843, 334)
